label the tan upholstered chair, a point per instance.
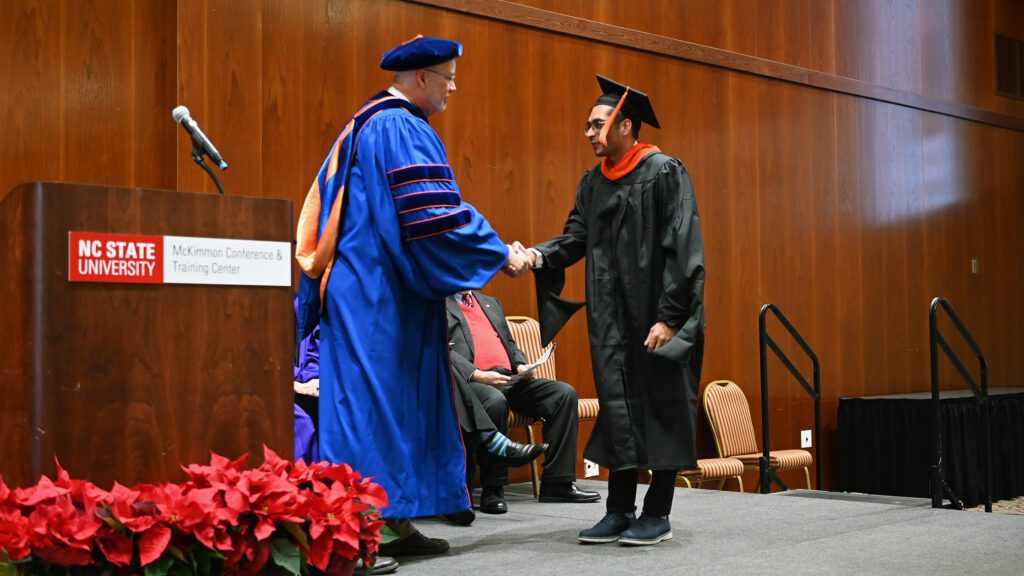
(729, 416)
(720, 469)
(526, 333)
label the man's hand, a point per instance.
(520, 369)
(659, 335)
(518, 262)
(490, 378)
(531, 256)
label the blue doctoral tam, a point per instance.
(420, 52)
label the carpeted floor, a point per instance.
(736, 534)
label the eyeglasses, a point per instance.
(596, 126)
(449, 78)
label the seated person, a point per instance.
(307, 389)
(484, 356)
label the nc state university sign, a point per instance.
(143, 259)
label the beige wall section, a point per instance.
(847, 212)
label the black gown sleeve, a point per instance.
(682, 301)
(559, 253)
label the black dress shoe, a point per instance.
(517, 454)
(492, 501)
(567, 492)
(381, 565)
(415, 545)
(464, 518)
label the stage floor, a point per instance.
(731, 533)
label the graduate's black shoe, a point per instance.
(492, 501)
(567, 492)
(647, 530)
(517, 454)
(415, 545)
(464, 518)
(382, 565)
(608, 529)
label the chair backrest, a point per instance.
(526, 333)
(729, 415)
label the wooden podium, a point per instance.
(128, 382)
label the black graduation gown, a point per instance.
(644, 263)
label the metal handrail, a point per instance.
(767, 472)
(937, 340)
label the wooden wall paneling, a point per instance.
(31, 118)
(949, 173)
(153, 144)
(787, 212)
(729, 207)
(108, 93)
(283, 137)
(851, 360)
(994, 322)
(88, 84)
(219, 80)
(617, 35)
(783, 31)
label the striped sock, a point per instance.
(496, 443)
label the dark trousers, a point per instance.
(553, 401)
(657, 502)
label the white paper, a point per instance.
(530, 368)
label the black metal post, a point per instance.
(764, 486)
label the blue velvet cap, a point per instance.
(420, 52)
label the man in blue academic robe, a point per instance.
(383, 238)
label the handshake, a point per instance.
(520, 260)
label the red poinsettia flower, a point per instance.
(14, 541)
(62, 533)
(329, 511)
(272, 499)
(130, 517)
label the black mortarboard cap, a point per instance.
(636, 107)
(420, 52)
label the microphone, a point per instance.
(181, 116)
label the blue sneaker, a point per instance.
(608, 529)
(647, 530)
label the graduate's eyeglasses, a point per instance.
(449, 78)
(596, 126)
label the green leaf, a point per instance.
(387, 535)
(286, 554)
(8, 569)
(297, 534)
(176, 552)
(161, 567)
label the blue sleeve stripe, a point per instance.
(435, 226)
(427, 199)
(420, 173)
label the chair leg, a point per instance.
(721, 484)
(807, 473)
(687, 481)
(534, 469)
(739, 480)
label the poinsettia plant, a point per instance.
(279, 518)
